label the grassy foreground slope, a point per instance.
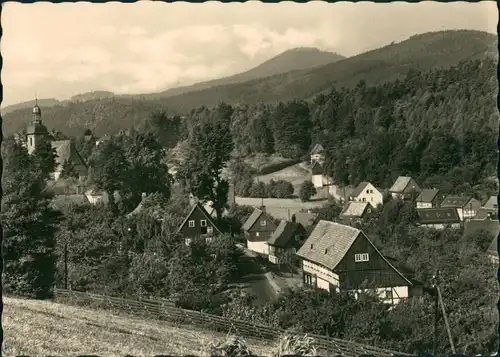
(42, 328)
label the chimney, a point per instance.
(262, 208)
(294, 219)
(192, 200)
(231, 199)
(143, 195)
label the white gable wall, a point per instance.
(317, 180)
(258, 247)
(370, 194)
(424, 204)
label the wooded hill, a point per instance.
(422, 52)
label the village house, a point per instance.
(336, 257)
(95, 196)
(366, 192)
(198, 224)
(490, 228)
(306, 219)
(354, 212)
(340, 193)
(284, 242)
(318, 176)
(66, 152)
(438, 218)
(491, 203)
(317, 154)
(489, 209)
(405, 188)
(258, 229)
(428, 198)
(467, 207)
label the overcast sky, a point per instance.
(59, 50)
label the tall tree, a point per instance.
(210, 148)
(29, 225)
(44, 158)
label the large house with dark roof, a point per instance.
(438, 218)
(405, 188)
(258, 228)
(467, 207)
(66, 152)
(355, 212)
(336, 257)
(489, 209)
(428, 198)
(366, 192)
(284, 242)
(198, 224)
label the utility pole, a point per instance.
(446, 320)
(436, 311)
(66, 264)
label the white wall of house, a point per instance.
(441, 226)
(258, 247)
(317, 157)
(94, 199)
(370, 194)
(424, 204)
(317, 180)
(467, 213)
(389, 295)
(324, 276)
(327, 181)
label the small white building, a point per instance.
(317, 174)
(405, 188)
(317, 154)
(258, 228)
(439, 218)
(467, 207)
(366, 192)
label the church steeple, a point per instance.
(36, 131)
(37, 113)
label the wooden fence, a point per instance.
(164, 310)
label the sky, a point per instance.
(59, 50)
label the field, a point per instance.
(296, 174)
(41, 328)
(280, 208)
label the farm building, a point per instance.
(355, 211)
(366, 192)
(438, 218)
(284, 242)
(467, 207)
(405, 188)
(258, 229)
(198, 224)
(491, 203)
(306, 219)
(428, 198)
(342, 258)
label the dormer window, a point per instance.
(191, 223)
(311, 246)
(326, 251)
(203, 223)
(263, 222)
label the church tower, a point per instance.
(36, 131)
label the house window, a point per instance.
(361, 257)
(31, 141)
(203, 223)
(367, 191)
(208, 239)
(210, 230)
(263, 222)
(371, 191)
(188, 241)
(364, 199)
(256, 234)
(368, 210)
(191, 223)
(388, 294)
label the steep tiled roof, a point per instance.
(334, 237)
(205, 213)
(354, 209)
(306, 219)
(252, 219)
(282, 235)
(447, 215)
(455, 201)
(65, 152)
(400, 184)
(427, 195)
(317, 149)
(483, 213)
(316, 168)
(492, 203)
(359, 189)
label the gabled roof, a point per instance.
(492, 203)
(489, 225)
(483, 213)
(354, 209)
(427, 195)
(198, 206)
(329, 242)
(211, 211)
(317, 149)
(65, 150)
(446, 215)
(317, 168)
(456, 201)
(283, 234)
(359, 189)
(252, 219)
(400, 184)
(306, 219)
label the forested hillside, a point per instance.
(423, 52)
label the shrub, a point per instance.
(295, 345)
(307, 190)
(233, 346)
(268, 169)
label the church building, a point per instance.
(66, 152)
